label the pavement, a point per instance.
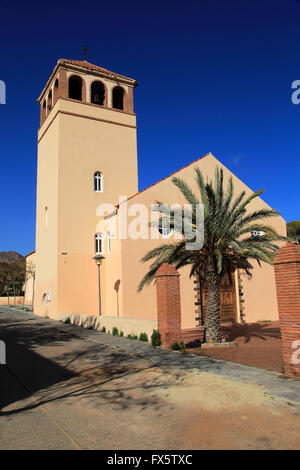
(259, 345)
(66, 387)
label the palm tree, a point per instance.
(233, 235)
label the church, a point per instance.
(87, 158)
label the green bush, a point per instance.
(156, 338)
(115, 331)
(143, 337)
(178, 347)
(121, 334)
(132, 337)
(103, 329)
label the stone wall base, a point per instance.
(129, 326)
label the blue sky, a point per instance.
(214, 76)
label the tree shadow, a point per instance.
(76, 369)
(263, 331)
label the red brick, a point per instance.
(287, 275)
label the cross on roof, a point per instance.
(85, 50)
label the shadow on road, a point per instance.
(45, 365)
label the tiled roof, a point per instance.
(87, 65)
(84, 65)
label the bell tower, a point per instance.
(87, 156)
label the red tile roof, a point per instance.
(87, 65)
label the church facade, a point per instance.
(87, 158)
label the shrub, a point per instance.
(175, 346)
(143, 337)
(67, 320)
(178, 347)
(103, 330)
(115, 331)
(156, 338)
(132, 337)
(121, 334)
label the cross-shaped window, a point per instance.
(98, 182)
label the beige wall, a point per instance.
(47, 234)
(29, 282)
(129, 326)
(75, 141)
(259, 292)
(4, 300)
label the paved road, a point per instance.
(65, 387)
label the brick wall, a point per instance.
(168, 304)
(287, 275)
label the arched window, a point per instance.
(49, 100)
(55, 89)
(97, 93)
(118, 98)
(75, 88)
(98, 184)
(98, 243)
(44, 109)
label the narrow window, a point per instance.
(118, 98)
(98, 182)
(98, 243)
(55, 89)
(97, 93)
(46, 216)
(108, 242)
(44, 110)
(50, 100)
(75, 88)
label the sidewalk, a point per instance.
(277, 384)
(65, 387)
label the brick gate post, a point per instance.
(287, 275)
(168, 304)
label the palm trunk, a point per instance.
(212, 320)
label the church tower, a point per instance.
(87, 156)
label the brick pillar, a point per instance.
(168, 304)
(287, 275)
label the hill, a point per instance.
(10, 257)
